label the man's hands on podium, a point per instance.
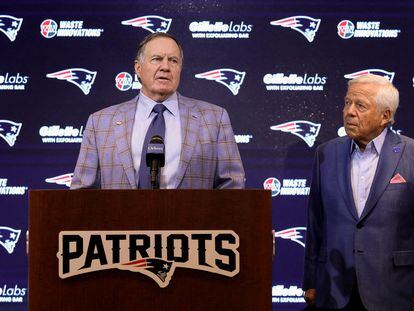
(310, 296)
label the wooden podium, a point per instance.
(247, 213)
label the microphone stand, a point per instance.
(154, 172)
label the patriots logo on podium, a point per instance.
(9, 131)
(294, 234)
(82, 78)
(306, 130)
(230, 78)
(159, 270)
(10, 26)
(65, 179)
(152, 23)
(9, 238)
(387, 74)
(306, 25)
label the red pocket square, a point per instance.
(397, 179)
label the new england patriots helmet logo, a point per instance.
(306, 25)
(387, 74)
(9, 131)
(65, 179)
(294, 234)
(230, 78)
(306, 130)
(152, 23)
(10, 25)
(82, 78)
(157, 269)
(9, 238)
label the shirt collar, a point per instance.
(375, 144)
(148, 104)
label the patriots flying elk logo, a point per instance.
(230, 78)
(294, 234)
(9, 131)
(306, 25)
(10, 25)
(82, 78)
(65, 179)
(306, 130)
(152, 23)
(159, 270)
(387, 74)
(9, 238)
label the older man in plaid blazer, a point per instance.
(206, 157)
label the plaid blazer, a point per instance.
(209, 157)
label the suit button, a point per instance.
(359, 225)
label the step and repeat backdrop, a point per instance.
(280, 69)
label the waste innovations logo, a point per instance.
(64, 179)
(286, 187)
(12, 294)
(294, 82)
(9, 130)
(380, 72)
(230, 78)
(220, 30)
(125, 82)
(80, 77)
(294, 234)
(56, 134)
(288, 294)
(365, 29)
(5, 189)
(152, 23)
(243, 139)
(71, 28)
(10, 26)
(9, 238)
(305, 25)
(305, 130)
(155, 254)
(13, 82)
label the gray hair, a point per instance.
(387, 95)
(141, 47)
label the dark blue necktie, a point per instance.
(157, 127)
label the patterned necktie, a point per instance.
(157, 127)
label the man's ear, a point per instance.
(137, 67)
(386, 117)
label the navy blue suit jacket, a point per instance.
(378, 247)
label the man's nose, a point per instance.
(350, 109)
(165, 65)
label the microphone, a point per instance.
(155, 159)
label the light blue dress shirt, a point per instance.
(172, 139)
(363, 167)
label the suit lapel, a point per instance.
(344, 174)
(389, 158)
(123, 123)
(190, 123)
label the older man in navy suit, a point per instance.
(360, 238)
(200, 148)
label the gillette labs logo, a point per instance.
(220, 30)
(13, 82)
(291, 294)
(294, 82)
(55, 134)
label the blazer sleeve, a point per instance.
(314, 232)
(229, 170)
(87, 171)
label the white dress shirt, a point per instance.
(363, 167)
